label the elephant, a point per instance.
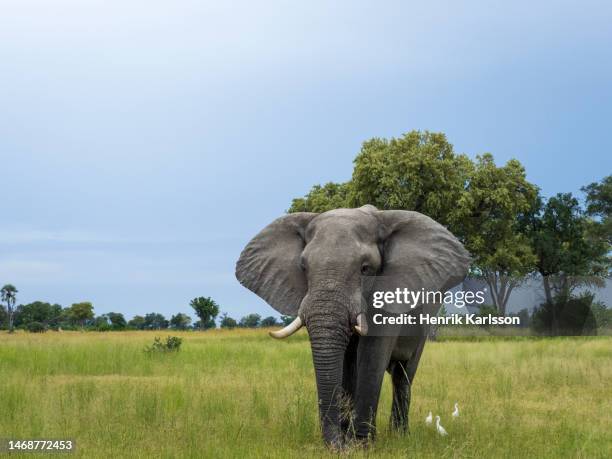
(311, 265)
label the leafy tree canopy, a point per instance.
(207, 310)
(155, 321)
(137, 322)
(38, 311)
(8, 294)
(599, 205)
(82, 312)
(227, 322)
(250, 321)
(269, 322)
(487, 218)
(117, 320)
(180, 321)
(323, 198)
(418, 171)
(565, 256)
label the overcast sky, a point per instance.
(143, 143)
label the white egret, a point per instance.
(441, 430)
(456, 412)
(429, 418)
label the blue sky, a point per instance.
(143, 143)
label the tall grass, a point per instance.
(240, 394)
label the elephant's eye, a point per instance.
(366, 269)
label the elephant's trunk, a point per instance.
(329, 332)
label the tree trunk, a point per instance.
(500, 287)
(491, 279)
(547, 290)
(511, 285)
(550, 301)
(10, 316)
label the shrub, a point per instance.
(227, 321)
(36, 327)
(601, 314)
(102, 327)
(566, 317)
(250, 321)
(172, 344)
(488, 309)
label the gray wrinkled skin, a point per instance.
(311, 265)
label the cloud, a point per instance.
(31, 271)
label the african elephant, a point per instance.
(311, 266)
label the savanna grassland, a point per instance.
(241, 394)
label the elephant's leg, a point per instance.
(402, 375)
(401, 395)
(373, 357)
(413, 363)
(349, 375)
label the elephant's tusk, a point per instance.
(288, 330)
(362, 326)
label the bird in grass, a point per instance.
(441, 430)
(456, 412)
(429, 419)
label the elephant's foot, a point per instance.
(333, 437)
(336, 446)
(399, 424)
(360, 442)
(400, 427)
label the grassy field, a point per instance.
(241, 394)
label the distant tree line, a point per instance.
(40, 316)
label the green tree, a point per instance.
(117, 320)
(155, 321)
(207, 310)
(8, 294)
(599, 206)
(137, 322)
(323, 198)
(250, 321)
(488, 220)
(180, 321)
(101, 323)
(566, 258)
(269, 322)
(66, 321)
(38, 311)
(227, 322)
(82, 312)
(418, 171)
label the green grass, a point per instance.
(241, 394)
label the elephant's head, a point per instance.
(310, 266)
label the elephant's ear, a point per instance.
(420, 253)
(270, 264)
